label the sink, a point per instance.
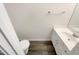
(67, 37)
(75, 31)
(71, 40)
(71, 35)
(68, 40)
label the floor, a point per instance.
(41, 48)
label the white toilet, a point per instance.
(25, 45)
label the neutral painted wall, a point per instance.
(75, 18)
(32, 21)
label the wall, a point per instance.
(32, 21)
(75, 17)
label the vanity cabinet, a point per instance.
(63, 44)
(58, 44)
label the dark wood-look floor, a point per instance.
(41, 48)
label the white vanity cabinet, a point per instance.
(58, 44)
(63, 44)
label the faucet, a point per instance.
(75, 35)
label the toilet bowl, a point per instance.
(25, 45)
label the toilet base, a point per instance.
(26, 51)
(25, 45)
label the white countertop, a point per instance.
(66, 35)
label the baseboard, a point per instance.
(37, 39)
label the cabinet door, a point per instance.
(64, 47)
(57, 44)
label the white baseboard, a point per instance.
(37, 39)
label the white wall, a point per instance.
(75, 18)
(32, 21)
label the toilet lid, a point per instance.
(25, 44)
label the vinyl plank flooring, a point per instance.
(41, 48)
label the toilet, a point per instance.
(25, 45)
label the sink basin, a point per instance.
(71, 35)
(71, 40)
(75, 32)
(67, 37)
